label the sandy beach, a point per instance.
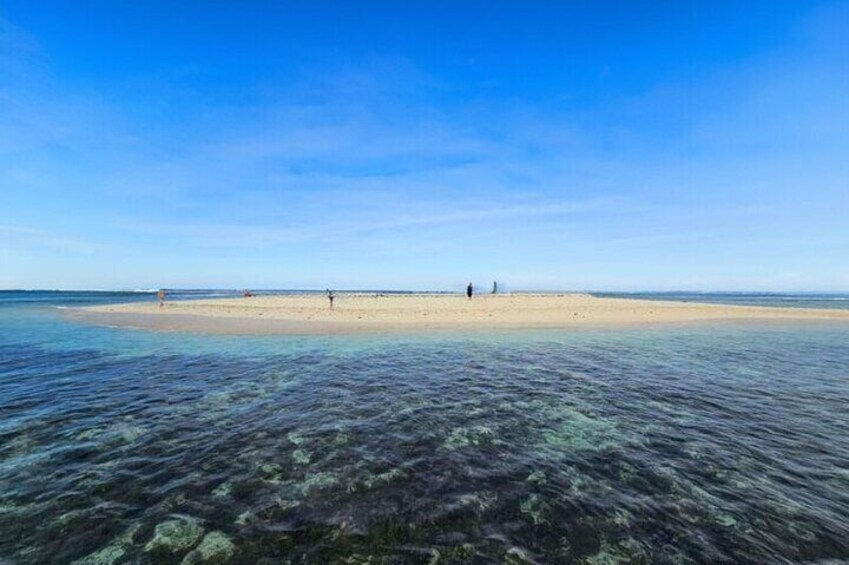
(364, 313)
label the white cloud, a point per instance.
(49, 239)
(380, 157)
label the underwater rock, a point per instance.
(517, 556)
(112, 435)
(296, 438)
(89, 434)
(726, 520)
(287, 504)
(173, 536)
(479, 502)
(360, 559)
(129, 434)
(110, 554)
(223, 489)
(215, 548)
(622, 518)
(107, 556)
(67, 517)
(302, 456)
(577, 431)
(318, 481)
(627, 472)
(536, 508)
(626, 551)
(457, 554)
(270, 473)
(537, 478)
(384, 478)
(464, 553)
(342, 438)
(464, 437)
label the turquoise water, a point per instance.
(835, 300)
(663, 445)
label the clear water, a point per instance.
(838, 300)
(667, 445)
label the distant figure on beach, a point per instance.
(469, 290)
(248, 294)
(161, 296)
(330, 296)
(494, 287)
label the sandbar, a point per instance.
(309, 314)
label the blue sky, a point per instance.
(609, 146)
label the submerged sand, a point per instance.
(362, 313)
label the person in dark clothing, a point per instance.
(494, 287)
(469, 290)
(330, 296)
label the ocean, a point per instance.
(678, 444)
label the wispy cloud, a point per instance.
(48, 239)
(382, 156)
(353, 226)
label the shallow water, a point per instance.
(831, 300)
(668, 445)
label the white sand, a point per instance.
(357, 313)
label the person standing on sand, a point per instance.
(494, 287)
(161, 296)
(469, 290)
(330, 296)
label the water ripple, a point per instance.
(666, 446)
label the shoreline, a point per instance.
(360, 313)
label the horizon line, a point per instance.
(412, 291)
